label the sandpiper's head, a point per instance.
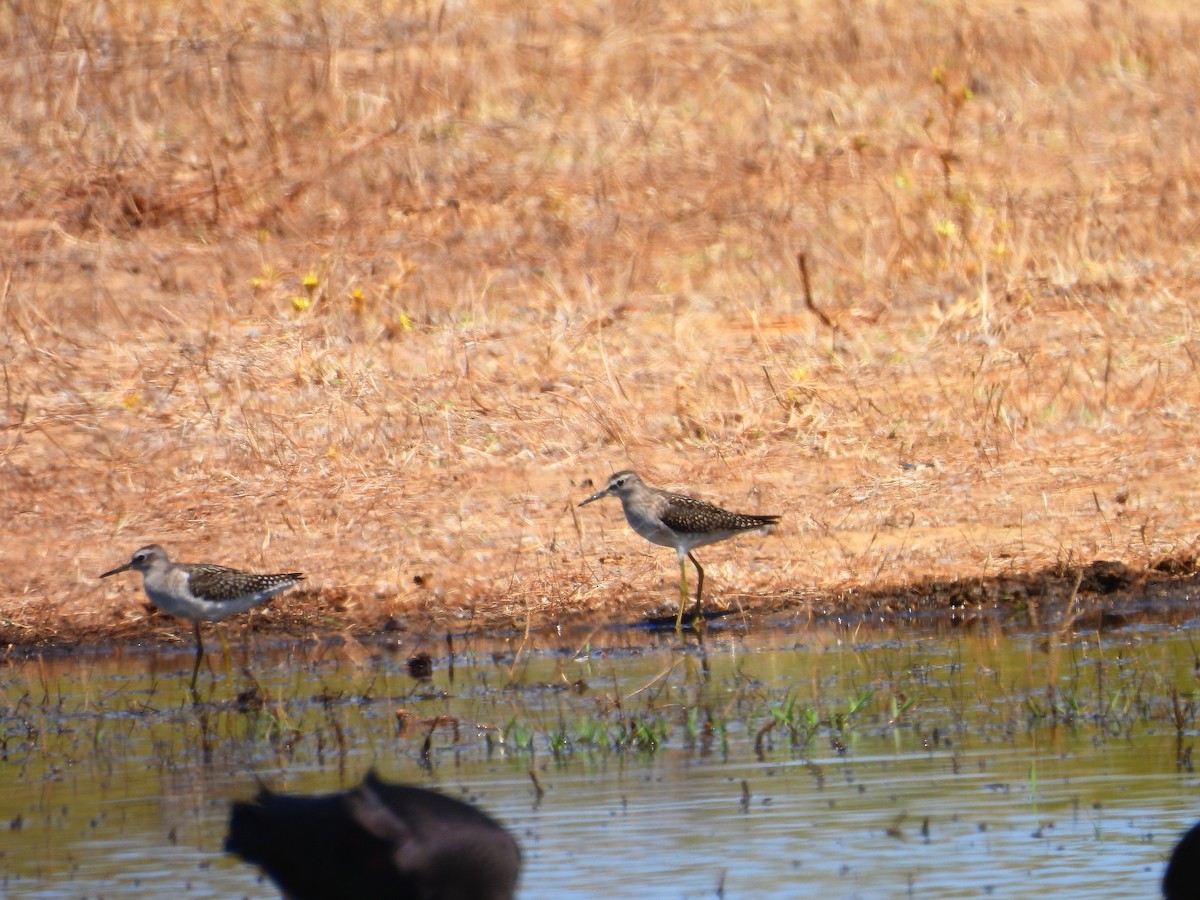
(142, 560)
(620, 484)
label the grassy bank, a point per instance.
(381, 291)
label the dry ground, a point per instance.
(382, 290)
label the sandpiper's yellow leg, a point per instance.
(683, 593)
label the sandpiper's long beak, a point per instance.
(595, 496)
(124, 568)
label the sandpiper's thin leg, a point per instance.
(199, 654)
(697, 613)
(700, 583)
(683, 594)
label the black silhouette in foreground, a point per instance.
(377, 840)
(1182, 878)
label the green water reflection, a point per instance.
(822, 764)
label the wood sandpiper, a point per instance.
(679, 521)
(200, 592)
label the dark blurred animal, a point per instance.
(378, 840)
(1182, 878)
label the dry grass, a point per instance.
(374, 289)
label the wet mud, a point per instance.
(1100, 594)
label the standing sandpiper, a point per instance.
(679, 521)
(200, 592)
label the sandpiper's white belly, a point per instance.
(199, 609)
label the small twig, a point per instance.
(771, 385)
(802, 262)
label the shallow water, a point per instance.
(898, 765)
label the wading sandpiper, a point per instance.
(679, 521)
(201, 592)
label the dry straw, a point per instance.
(373, 290)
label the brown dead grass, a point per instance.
(379, 290)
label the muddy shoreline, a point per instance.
(1101, 595)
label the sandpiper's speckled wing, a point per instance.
(687, 515)
(220, 584)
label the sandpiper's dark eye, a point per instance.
(620, 482)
